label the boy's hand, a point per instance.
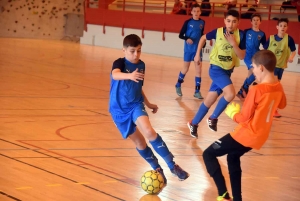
(189, 41)
(230, 38)
(232, 109)
(136, 76)
(153, 107)
(197, 59)
(290, 60)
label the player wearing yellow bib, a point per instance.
(284, 48)
(229, 48)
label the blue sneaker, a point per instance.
(180, 173)
(178, 91)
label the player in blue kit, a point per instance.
(227, 51)
(126, 105)
(191, 32)
(254, 37)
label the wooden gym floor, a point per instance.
(58, 142)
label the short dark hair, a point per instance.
(132, 40)
(283, 20)
(256, 15)
(265, 58)
(233, 13)
(195, 6)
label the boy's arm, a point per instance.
(201, 44)
(282, 103)
(266, 45)
(248, 108)
(183, 31)
(151, 106)
(263, 40)
(134, 76)
(292, 47)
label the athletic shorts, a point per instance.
(220, 78)
(189, 56)
(278, 72)
(126, 122)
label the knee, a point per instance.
(208, 154)
(229, 96)
(149, 133)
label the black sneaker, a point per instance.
(180, 173)
(193, 129)
(212, 124)
(161, 171)
(254, 83)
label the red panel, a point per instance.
(172, 23)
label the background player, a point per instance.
(191, 32)
(254, 37)
(284, 48)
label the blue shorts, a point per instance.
(126, 123)
(189, 56)
(248, 63)
(278, 72)
(220, 78)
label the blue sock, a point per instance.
(200, 114)
(197, 84)
(148, 155)
(222, 104)
(180, 79)
(161, 148)
(249, 80)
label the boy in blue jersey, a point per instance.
(191, 32)
(127, 109)
(228, 49)
(254, 37)
(284, 48)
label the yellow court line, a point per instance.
(53, 185)
(80, 183)
(109, 182)
(24, 188)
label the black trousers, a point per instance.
(234, 150)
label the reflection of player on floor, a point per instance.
(254, 37)
(284, 48)
(228, 49)
(127, 109)
(254, 125)
(191, 32)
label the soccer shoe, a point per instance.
(212, 124)
(276, 114)
(222, 197)
(179, 172)
(161, 171)
(198, 95)
(178, 91)
(240, 96)
(193, 129)
(254, 83)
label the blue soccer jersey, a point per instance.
(253, 41)
(125, 95)
(192, 29)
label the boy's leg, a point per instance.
(218, 148)
(225, 145)
(245, 87)
(182, 73)
(210, 98)
(198, 71)
(278, 72)
(221, 78)
(234, 167)
(159, 146)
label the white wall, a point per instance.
(152, 42)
